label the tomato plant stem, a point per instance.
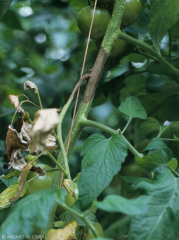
(55, 161)
(82, 216)
(149, 50)
(126, 125)
(113, 28)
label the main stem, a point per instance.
(85, 105)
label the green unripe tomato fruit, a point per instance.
(41, 181)
(100, 22)
(99, 231)
(117, 48)
(131, 12)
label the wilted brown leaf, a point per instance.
(30, 85)
(39, 170)
(15, 102)
(25, 131)
(21, 183)
(45, 121)
(17, 161)
(51, 143)
(66, 233)
(15, 141)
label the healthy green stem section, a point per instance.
(55, 161)
(40, 102)
(82, 216)
(89, 123)
(113, 30)
(149, 50)
(126, 125)
(59, 129)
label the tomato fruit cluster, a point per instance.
(100, 22)
(131, 12)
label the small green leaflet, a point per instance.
(155, 158)
(154, 144)
(175, 138)
(160, 217)
(173, 164)
(164, 14)
(32, 211)
(102, 160)
(133, 108)
(4, 5)
(149, 128)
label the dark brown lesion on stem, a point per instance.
(95, 75)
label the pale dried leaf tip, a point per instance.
(45, 121)
(15, 102)
(30, 85)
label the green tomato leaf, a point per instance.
(133, 108)
(149, 128)
(9, 181)
(173, 164)
(114, 203)
(4, 5)
(163, 13)
(155, 158)
(102, 160)
(161, 208)
(154, 144)
(32, 211)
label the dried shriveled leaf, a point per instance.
(17, 160)
(30, 85)
(22, 182)
(51, 143)
(15, 141)
(15, 102)
(9, 193)
(25, 131)
(66, 233)
(39, 170)
(45, 121)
